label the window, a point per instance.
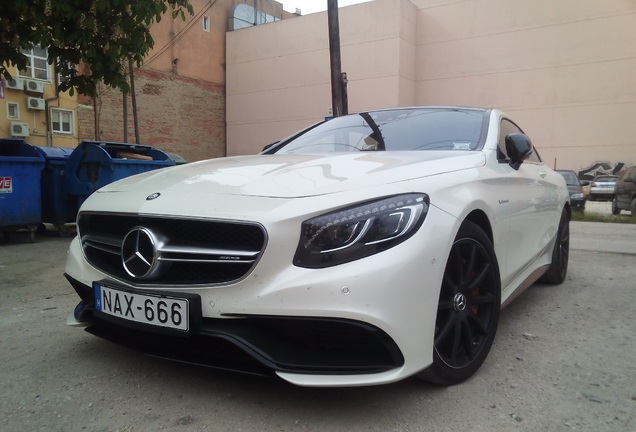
(37, 66)
(13, 110)
(63, 78)
(206, 23)
(62, 121)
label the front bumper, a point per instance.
(255, 344)
(578, 203)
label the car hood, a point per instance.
(291, 176)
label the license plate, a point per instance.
(155, 310)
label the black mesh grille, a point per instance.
(103, 234)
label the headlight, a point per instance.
(577, 195)
(359, 231)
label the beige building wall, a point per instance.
(278, 76)
(562, 69)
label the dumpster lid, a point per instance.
(179, 160)
(12, 141)
(117, 150)
(55, 152)
(18, 148)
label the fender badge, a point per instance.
(153, 196)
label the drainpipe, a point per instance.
(47, 116)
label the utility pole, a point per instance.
(338, 79)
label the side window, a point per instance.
(534, 157)
(508, 127)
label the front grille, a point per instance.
(191, 252)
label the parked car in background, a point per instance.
(362, 250)
(602, 188)
(625, 195)
(575, 188)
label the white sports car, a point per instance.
(362, 250)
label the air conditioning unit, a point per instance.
(19, 129)
(34, 86)
(15, 83)
(36, 103)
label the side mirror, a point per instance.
(585, 183)
(519, 148)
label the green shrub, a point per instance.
(579, 216)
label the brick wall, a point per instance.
(176, 114)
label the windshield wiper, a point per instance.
(377, 133)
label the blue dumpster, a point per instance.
(94, 164)
(58, 207)
(20, 193)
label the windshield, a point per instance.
(394, 130)
(570, 178)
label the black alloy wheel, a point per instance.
(468, 309)
(558, 270)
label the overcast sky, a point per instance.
(311, 6)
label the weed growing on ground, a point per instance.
(579, 216)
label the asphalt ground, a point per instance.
(563, 360)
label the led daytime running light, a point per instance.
(359, 231)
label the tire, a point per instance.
(615, 209)
(468, 308)
(558, 269)
(633, 207)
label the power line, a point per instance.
(181, 32)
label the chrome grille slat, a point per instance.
(102, 246)
(206, 260)
(195, 251)
(209, 251)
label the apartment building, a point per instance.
(31, 108)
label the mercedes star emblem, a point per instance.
(139, 252)
(459, 302)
